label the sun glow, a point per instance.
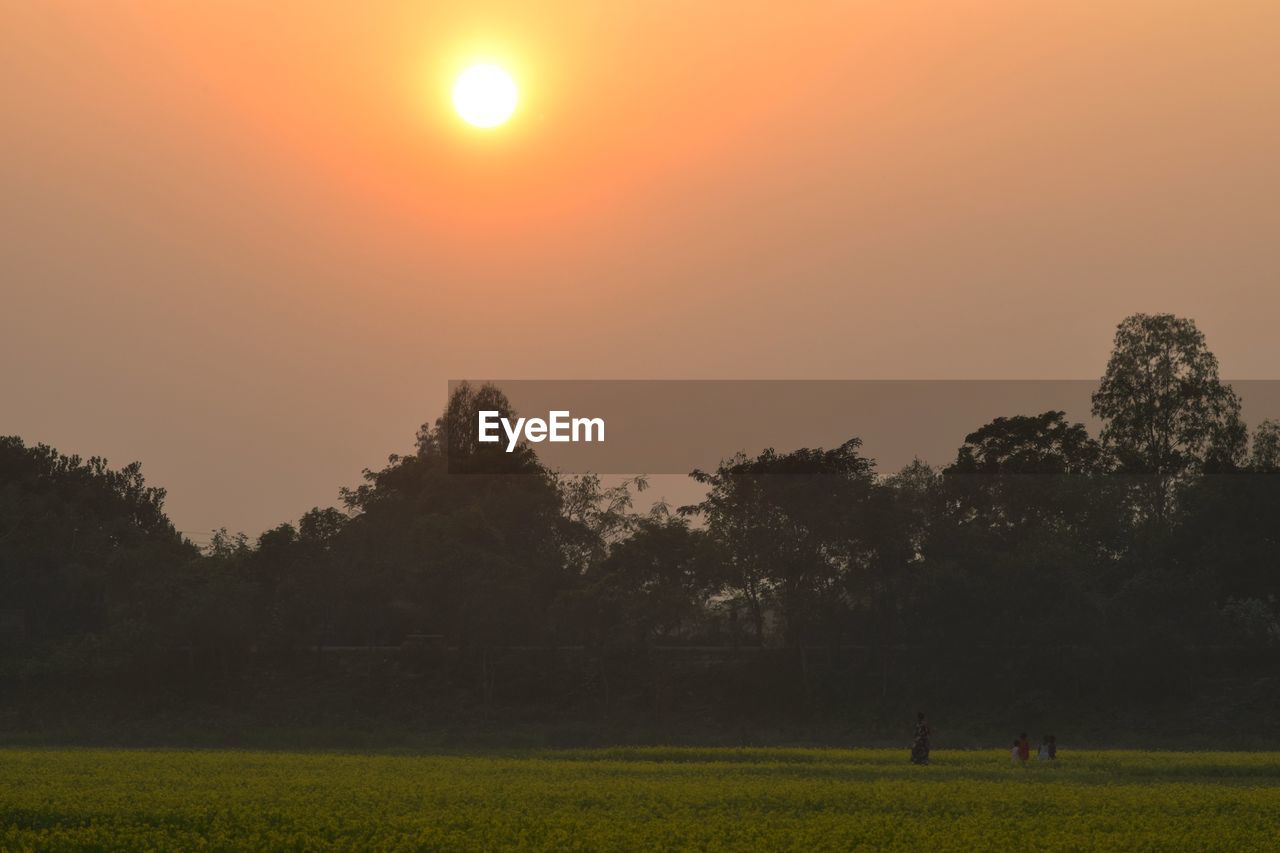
(485, 95)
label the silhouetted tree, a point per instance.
(1038, 542)
(1264, 456)
(653, 586)
(76, 539)
(463, 542)
(787, 527)
(1016, 470)
(1166, 413)
(1029, 520)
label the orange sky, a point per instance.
(247, 243)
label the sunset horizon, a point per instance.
(581, 425)
(280, 242)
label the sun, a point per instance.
(485, 95)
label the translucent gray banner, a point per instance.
(674, 426)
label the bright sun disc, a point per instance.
(484, 95)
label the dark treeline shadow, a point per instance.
(1043, 573)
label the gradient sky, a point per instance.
(248, 243)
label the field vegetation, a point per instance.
(637, 799)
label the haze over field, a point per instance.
(248, 246)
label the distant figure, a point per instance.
(920, 743)
(1024, 748)
(1053, 747)
(1043, 753)
(1013, 755)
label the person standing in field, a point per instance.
(1013, 755)
(920, 743)
(1024, 748)
(1043, 753)
(1053, 749)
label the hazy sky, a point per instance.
(248, 243)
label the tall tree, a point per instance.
(1167, 415)
(460, 538)
(456, 435)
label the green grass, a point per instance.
(641, 799)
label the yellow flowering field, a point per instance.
(635, 799)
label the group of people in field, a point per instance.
(1019, 755)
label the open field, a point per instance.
(643, 798)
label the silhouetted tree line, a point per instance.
(1161, 531)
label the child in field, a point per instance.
(1043, 753)
(1013, 755)
(1053, 748)
(1024, 748)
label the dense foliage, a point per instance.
(1159, 533)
